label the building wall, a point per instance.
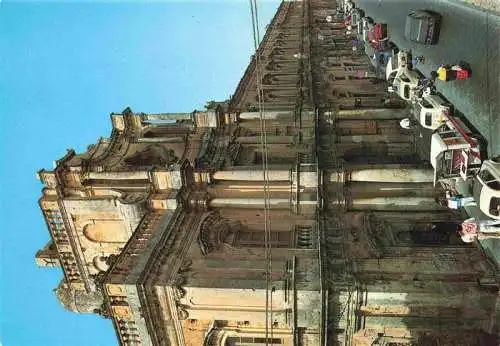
(167, 222)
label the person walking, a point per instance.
(472, 229)
(418, 60)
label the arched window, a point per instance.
(106, 232)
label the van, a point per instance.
(405, 84)
(423, 27)
(486, 188)
(431, 111)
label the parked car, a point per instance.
(356, 16)
(359, 28)
(367, 24)
(378, 37)
(378, 32)
(431, 111)
(405, 84)
(486, 188)
(348, 7)
(399, 61)
(423, 27)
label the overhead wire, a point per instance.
(265, 170)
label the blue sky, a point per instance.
(63, 68)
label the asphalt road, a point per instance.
(466, 34)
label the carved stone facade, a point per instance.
(163, 226)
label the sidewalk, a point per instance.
(492, 6)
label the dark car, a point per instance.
(356, 16)
(423, 27)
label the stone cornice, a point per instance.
(241, 89)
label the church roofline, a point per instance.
(241, 88)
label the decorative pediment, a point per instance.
(215, 231)
(215, 335)
(153, 155)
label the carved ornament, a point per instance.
(215, 231)
(178, 293)
(182, 311)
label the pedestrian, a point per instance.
(434, 76)
(472, 229)
(448, 73)
(418, 60)
(407, 123)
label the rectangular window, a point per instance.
(428, 119)
(495, 206)
(486, 176)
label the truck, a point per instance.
(455, 152)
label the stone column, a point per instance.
(253, 173)
(396, 173)
(278, 189)
(371, 138)
(250, 203)
(370, 114)
(390, 189)
(394, 204)
(269, 139)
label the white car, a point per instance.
(359, 29)
(399, 61)
(431, 111)
(356, 16)
(487, 188)
(405, 84)
(366, 25)
(348, 6)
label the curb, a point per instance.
(493, 11)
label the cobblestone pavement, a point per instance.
(467, 34)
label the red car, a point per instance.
(377, 35)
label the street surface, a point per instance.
(466, 34)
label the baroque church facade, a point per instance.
(163, 227)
